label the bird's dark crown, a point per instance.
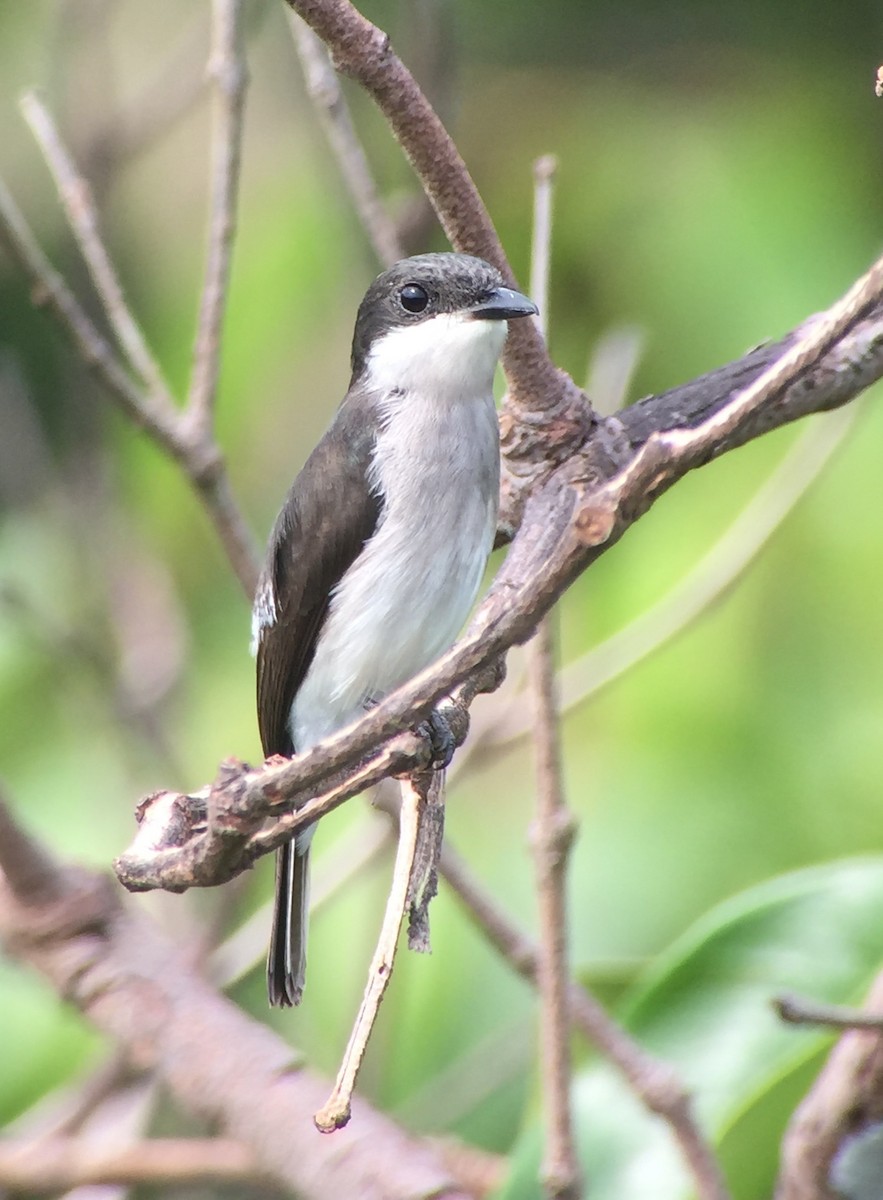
(449, 283)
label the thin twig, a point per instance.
(194, 450)
(62, 1163)
(614, 360)
(336, 1112)
(363, 51)
(325, 91)
(79, 208)
(228, 72)
(696, 592)
(551, 839)
(823, 1145)
(655, 1083)
(553, 828)
(49, 290)
(798, 1010)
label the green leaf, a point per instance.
(705, 1008)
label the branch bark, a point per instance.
(545, 414)
(845, 1101)
(61, 1163)
(141, 990)
(582, 509)
(553, 828)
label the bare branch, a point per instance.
(142, 992)
(361, 50)
(179, 847)
(335, 1113)
(551, 838)
(797, 1010)
(700, 588)
(325, 92)
(229, 76)
(194, 450)
(580, 512)
(61, 1163)
(553, 828)
(654, 1082)
(49, 290)
(845, 1101)
(212, 485)
(79, 207)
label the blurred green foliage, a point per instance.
(720, 179)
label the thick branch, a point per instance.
(142, 992)
(580, 512)
(540, 394)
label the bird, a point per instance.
(378, 552)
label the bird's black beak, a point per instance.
(503, 304)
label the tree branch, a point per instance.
(194, 449)
(61, 1163)
(540, 395)
(79, 207)
(654, 1082)
(553, 828)
(845, 1101)
(335, 1113)
(228, 72)
(582, 510)
(325, 92)
(702, 586)
(140, 990)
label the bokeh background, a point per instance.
(721, 178)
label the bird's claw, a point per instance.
(441, 739)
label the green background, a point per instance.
(720, 179)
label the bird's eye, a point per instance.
(414, 298)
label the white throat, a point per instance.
(451, 354)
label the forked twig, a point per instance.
(189, 443)
(49, 290)
(79, 207)
(335, 1113)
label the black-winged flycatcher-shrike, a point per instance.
(378, 553)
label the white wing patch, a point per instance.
(264, 614)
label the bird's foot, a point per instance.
(442, 742)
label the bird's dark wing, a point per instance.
(328, 516)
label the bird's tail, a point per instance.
(287, 959)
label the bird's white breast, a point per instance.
(436, 468)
